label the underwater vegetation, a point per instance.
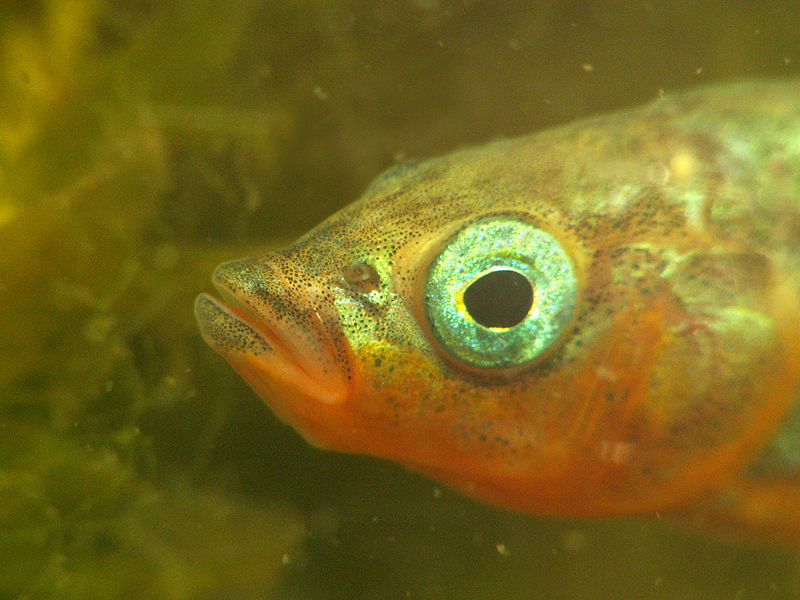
(97, 335)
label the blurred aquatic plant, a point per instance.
(41, 45)
(96, 320)
(77, 521)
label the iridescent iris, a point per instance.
(500, 293)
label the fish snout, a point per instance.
(277, 325)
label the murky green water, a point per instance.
(142, 143)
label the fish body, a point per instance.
(594, 320)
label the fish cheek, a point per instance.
(399, 389)
(420, 413)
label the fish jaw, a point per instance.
(284, 344)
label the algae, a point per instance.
(97, 331)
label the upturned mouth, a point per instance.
(272, 335)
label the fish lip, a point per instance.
(239, 309)
(312, 370)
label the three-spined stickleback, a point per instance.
(598, 319)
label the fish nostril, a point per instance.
(362, 277)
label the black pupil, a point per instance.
(499, 299)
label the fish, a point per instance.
(595, 320)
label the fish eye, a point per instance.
(500, 293)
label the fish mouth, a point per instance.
(280, 341)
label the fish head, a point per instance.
(537, 343)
